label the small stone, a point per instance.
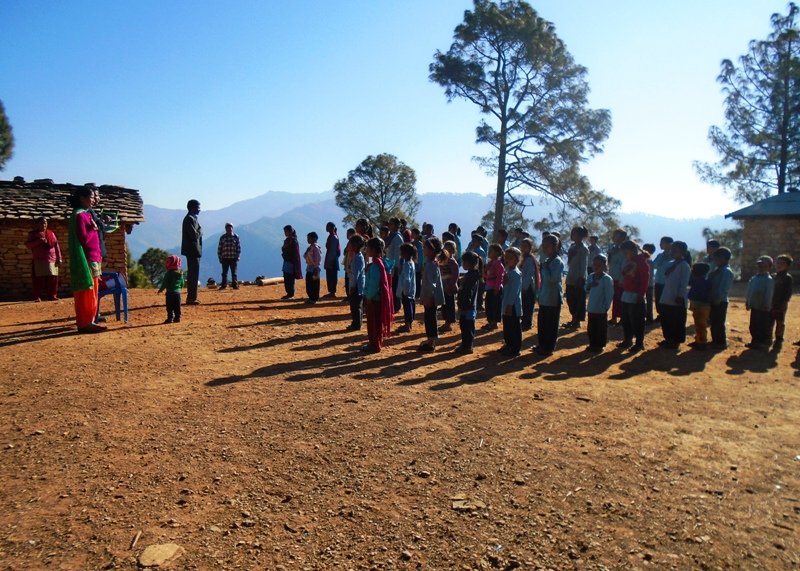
(424, 474)
(215, 529)
(519, 480)
(160, 555)
(405, 555)
(37, 433)
(248, 523)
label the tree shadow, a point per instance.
(752, 361)
(17, 338)
(282, 340)
(796, 363)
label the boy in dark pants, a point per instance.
(467, 300)
(512, 304)
(720, 279)
(759, 304)
(172, 282)
(600, 288)
(673, 297)
(357, 281)
(781, 294)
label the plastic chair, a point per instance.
(114, 283)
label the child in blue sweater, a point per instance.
(600, 288)
(759, 303)
(512, 304)
(407, 285)
(720, 280)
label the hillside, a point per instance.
(260, 221)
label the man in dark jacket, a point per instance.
(192, 248)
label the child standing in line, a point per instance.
(512, 304)
(449, 269)
(660, 264)
(455, 230)
(468, 299)
(407, 285)
(616, 260)
(549, 296)
(332, 253)
(781, 294)
(292, 271)
(635, 278)
(357, 279)
(416, 240)
(432, 295)
(720, 280)
(346, 262)
(577, 262)
(673, 297)
(313, 257)
(759, 304)
(649, 303)
(700, 304)
(378, 297)
(172, 283)
(531, 280)
(600, 288)
(476, 246)
(493, 275)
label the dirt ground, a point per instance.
(256, 435)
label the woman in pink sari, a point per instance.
(46, 258)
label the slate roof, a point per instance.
(20, 200)
(780, 205)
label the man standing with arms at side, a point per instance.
(228, 252)
(192, 248)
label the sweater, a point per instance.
(635, 283)
(512, 291)
(172, 281)
(601, 293)
(676, 283)
(551, 290)
(357, 273)
(720, 280)
(782, 291)
(577, 262)
(759, 292)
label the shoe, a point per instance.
(593, 349)
(406, 328)
(100, 319)
(192, 302)
(464, 350)
(222, 287)
(353, 328)
(624, 344)
(638, 348)
(310, 301)
(698, 346)
(427, 347)
(176, 320)
(670, 345)
(446, 327)
(541, 352)
(167, 321)
(92, 328)
(329, 295)
(235, 286)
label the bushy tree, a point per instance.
(759, 144)
(381, 187)
(600, 216)
(6, 138)
(153, 263)
(511, 64)
(137, 278)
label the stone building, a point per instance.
(22, 202)
(771, 227)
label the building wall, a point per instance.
(15, 257)
(771, 237)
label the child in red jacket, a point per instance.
(635, 281)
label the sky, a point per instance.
(225, 100)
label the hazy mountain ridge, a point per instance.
(259, 223)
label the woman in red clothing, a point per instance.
(46, 258)
(85, 259)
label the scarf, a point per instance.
(80, 273)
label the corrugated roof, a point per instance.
(29, 200)
(786, 204)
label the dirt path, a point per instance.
(256, 435)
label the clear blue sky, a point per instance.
(225, 100)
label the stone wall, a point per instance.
(770, 236)
(15, 257)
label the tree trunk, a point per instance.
(500, 199)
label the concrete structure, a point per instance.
(22, 202)
(771, 227)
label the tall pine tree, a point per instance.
(759, 144)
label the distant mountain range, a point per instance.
(259, 223)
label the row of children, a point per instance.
(628, 281)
